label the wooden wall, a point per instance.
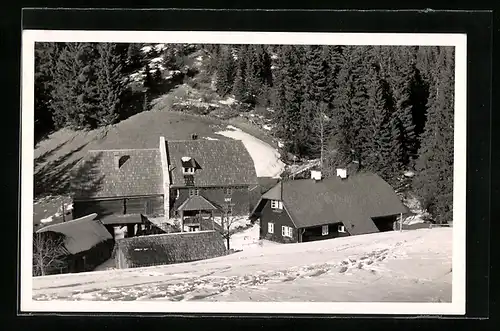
(279, 218)
(89, 260)
(135, 205)
(315, 233)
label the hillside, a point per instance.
(392, 266)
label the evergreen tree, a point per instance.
(434, 179)
(225, 71)
(169, 58)
(253, 77)
(239, 86)
(73, 95)
(133, 56)
(148, 79)
(157, 77)
(350, 104)
(289, 98)
(46, 55)
(110, 84)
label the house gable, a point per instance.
(213, 163)
(279, 218)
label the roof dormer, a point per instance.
(188, 165)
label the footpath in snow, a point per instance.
(408, 266)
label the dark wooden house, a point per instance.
(121, 186)
(210, 178)
(87, 243)
(314, 209)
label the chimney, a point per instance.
(342, 173)
(316, 175)
(117, 160)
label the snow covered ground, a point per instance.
(266, 158)
(408, 266)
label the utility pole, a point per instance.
(401, 222)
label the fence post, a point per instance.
(401, 222)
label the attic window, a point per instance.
(120, 160)
(276, 204)
(188, 170)
(194, 191)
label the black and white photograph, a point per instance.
(243, 172)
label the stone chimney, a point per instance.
(165, 167)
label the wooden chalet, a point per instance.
(304, 210)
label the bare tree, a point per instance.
(228, 220)
(48, 253)
(321, 129)
(227, 227)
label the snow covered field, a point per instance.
(408, 266)
(266, 158)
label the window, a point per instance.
(229, 210)
(286, 231)
(228, 191)
(324, 230)
(188, 171)
(177, 193)
(194, 191)
(341, 229)
(276, 204)
(270, 227)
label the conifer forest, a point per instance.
(388, 109)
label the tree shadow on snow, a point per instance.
(53, 178)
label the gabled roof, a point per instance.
(352, 201)
(219, 162)
(80, 234)
(139, 174)
(196, 202)
(171, 248)
(266, 183)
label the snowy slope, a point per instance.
(266, 158)
(392, 266)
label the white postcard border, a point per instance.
(456, 307)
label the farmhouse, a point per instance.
(86, 244)
(168, 249)
(210, 178)
(314, 209)
(120, 186)
(189, 178)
